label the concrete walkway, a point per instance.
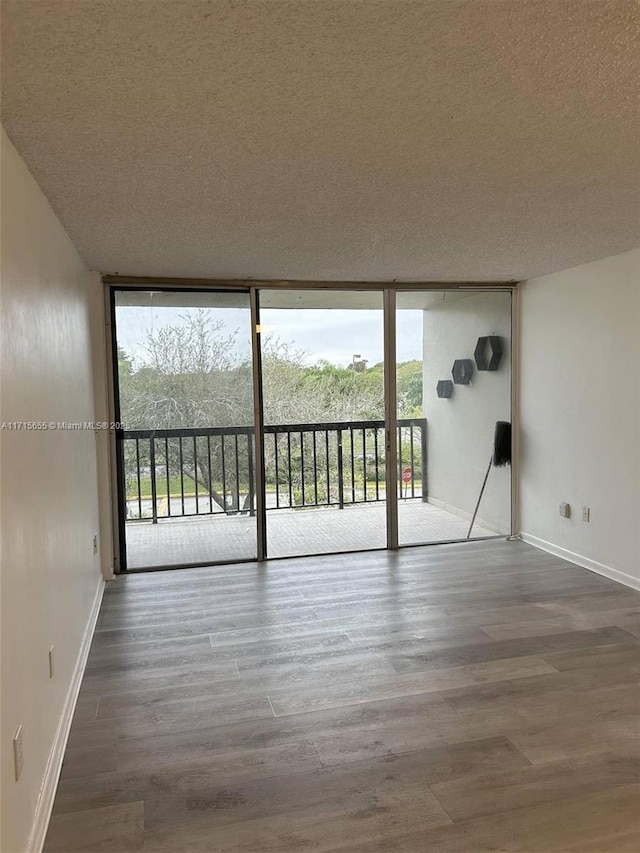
(222, 538)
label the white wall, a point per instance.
(580, 437)
(460, 430)
(50, 576)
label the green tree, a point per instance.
(198, 374)
(409, 388)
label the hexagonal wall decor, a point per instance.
(444, 388)
(488, 352)
(462, 371)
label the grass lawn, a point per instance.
(190, 487)
(161, 487)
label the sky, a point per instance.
(334, 335)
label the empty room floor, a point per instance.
(463, 698)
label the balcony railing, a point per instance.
(209, 470)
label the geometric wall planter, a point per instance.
(462, 371)
(488, 352)
(444, 388)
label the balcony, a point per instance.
(191, 494)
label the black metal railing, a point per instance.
(209, 470)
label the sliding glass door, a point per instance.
(323, 412)
(186, 451)
(278, 422)
(453, 377)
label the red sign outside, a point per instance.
(406, 475)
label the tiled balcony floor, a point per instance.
(222, 538)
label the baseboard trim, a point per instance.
(54, 764)
(585, 562)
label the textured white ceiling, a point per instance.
(330, 139)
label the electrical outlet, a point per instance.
(586, 513)
(565, 509)
(18, 757)
(95, 543)
(51, 662)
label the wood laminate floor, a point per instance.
(450, 699)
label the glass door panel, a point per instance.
(453, 374)
(323, 407)
(186, 454)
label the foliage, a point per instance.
(198, 374)
(409, 388)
